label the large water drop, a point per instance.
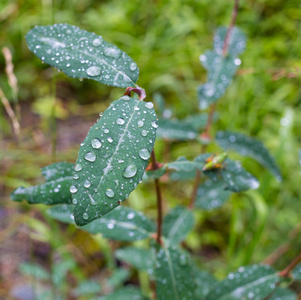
(93, 71)
(95, 143)
(130, 171)
(90, 156)
(110, 193)
(144, 154)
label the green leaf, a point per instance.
(87, 287)
(296, 272)
(118, 277)
(175, 130)
(211, 195)
(248, 146)
(34, 270)
(126, 293)
(204, 282)
(173, 274)
(233, 175)
(60, 270)
(113, 157)
(220, 72)
(177, 224)
(122, 223)
(236, 42)
(183, 164)
(283, 294)
(198, 121)
(82, 54)
(182, 175)
(139, 258)
(54, 191)
(154, 174)
(252, 282)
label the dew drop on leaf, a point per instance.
(110, 193)
(144, 133)
(95, 143)
(97, 42)
(78, 167)
(144, 154)
(85, 216)
(133, 67)
(90, 156)
(149, 105)
(130, 171)
(140, 123)
(73, 189)
(126, 98)
(110, 140)
(74, 201)
(155, 124)
(106, 130)
(120, 121)
(93, 71)
(87, 184)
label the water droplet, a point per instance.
(75, 176)
(120, 121)
(74, 201)
(120, 161)
(110, 193)
(85, 216)
(140, 123)
(93, 71)
(73, 189)
(202, 57)
(237, 61)
(92, 201)
(110, 225)
(87, 184)
(126, 98)
(95, 143)
(144, 154)
(131, 216)
(112, 52)
(90, 156)
(110, 140)
(133, 66)
(106, 130)
(97, 42)
(155, 124)
(144, 133)
(78, 167)
(130, 171)
(149, 105)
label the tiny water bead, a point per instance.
(76, 176)
(130, 171)
(110, 139)
(110, 193)
(73, 189)
(90, 156)
(78, 167)
(85, 216)
(144, 133)
(155, 124)
(95, 143)
(74, 201)
(133, 67)
(93, 71)
(140, 123)
(149, 105)
(120, 121)
(97, 42)
(144, 154)
(110, 225)
(106, 130)
(87, 184)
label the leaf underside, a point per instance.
(82, 54)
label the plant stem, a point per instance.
(285, 272)
(159, 200)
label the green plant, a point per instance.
(113, 159)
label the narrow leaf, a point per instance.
(248, 146)
(173, 275)
(126, 293)
(82, 54)
(177, 224)
(113, 157)
(211, 195)
(183, 164)
(252, 282)
(283, 294)
(56, 189)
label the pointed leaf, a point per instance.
(204, 282)
(236, 42)
(113, 158)
(248, 146)
(122, 223)
(139, 258)
(177, 224)
(296, 272)
(233, 175)
(220, 72)
(173, 274)
(251, 282)
(175, 130)
(126, 293)
(183, 164)
(211, 195)
(82, 54)
(54, 191)
(283, 294)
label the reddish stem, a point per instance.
(138, 90)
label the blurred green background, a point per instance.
(165, 38)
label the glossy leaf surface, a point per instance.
(113, 157)
(126, 293)
(54, 191)
(177, 224)
(173, 275)
(211, 195)
(252, 282)
(248, 146)
(122, 223)
(283, 294)
(220, 72)
(82, 54)
(204, 282)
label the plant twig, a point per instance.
(286, 272)
(159, 199)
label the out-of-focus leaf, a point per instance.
(211, 195)
(34, 270)
(173, 274)
(122, 223)
(126, 293)
(87, 287)
(220, 69)
(296, 272)
(118, 278)
(160, 103)
(82, 54)
(182, 175)
(198, 121)
(251, 282)
(54, 191)
(183, 164)
(204, 282)
(139, 258)
(175, 130)
(113, 157)
(283, 294)
(233, 175)
(248, 146)
(154, 174)
(236, 42)
(177, 224)
(60, 269)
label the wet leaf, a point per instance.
(211, 195)
(139, 258)
(173, 274)
(233, 175)
(250, 147)
(177, 224)
(251, 282)
(126, 293)
(175, 130)
(296, 272)
(54, 191)
(220, 72)
(283, 294)
(204, 282)
(183, 164)
(113, 158)
(122, 223)
(236, 42)
(82, 54)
